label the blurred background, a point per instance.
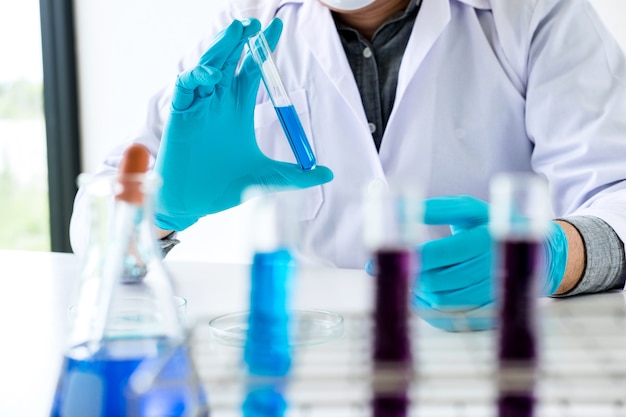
(124, 51)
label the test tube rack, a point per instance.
(581, 371)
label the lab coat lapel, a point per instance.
(433, 17)
(322, 39)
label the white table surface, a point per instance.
(38, 287)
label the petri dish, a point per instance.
(309, 327)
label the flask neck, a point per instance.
(126, 292)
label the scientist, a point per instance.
(445, 93)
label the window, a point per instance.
(39, 152)
(24, 210)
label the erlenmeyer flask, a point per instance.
(126, 315)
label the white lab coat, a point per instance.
(485, 86)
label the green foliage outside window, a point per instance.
(24, 216)
(21, 100)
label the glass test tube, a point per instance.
(520, 220)
(393, 230)
(267, 350)
(262, 55)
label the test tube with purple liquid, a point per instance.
(519, 222)
(392, 232)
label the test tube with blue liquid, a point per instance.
(287, 114)
(267, 350)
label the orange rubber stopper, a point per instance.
(134, 163)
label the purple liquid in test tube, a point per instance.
(392, 344)
(519, 221)
(393, 219)
(517, 338)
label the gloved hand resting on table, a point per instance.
(456, 288)
(208, 154)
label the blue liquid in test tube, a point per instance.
(285, 110)
(267, 351)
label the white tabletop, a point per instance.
(38, 287)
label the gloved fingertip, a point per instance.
(273, 32)
(251, 26)
(276, 23)
(370, 267)
(205, 75)
(323, 174)
(199, 75)
(189, 81)
(295, 176)
(235, 24)
(231, 33)
(458, 210)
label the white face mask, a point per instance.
(347, 4)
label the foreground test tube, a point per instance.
(267, 351)
(519, 223)
(392, 231)
(285, 109)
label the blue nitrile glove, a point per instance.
(455, 290)
(209, 154)
(555, 251)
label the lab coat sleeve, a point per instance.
(575, 107)
(149, 132)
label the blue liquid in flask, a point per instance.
(98, 385)
(297, 138)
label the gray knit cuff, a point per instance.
(605, 267)
(167, 243)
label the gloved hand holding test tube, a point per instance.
(262, 55)
(209, 153)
